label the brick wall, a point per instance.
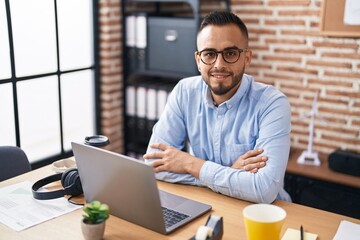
(111, 86)
(288, 52)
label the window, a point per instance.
(48, 76)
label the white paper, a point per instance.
(347, 230)
(352, 12)
(19, 210)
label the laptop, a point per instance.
(129, 187)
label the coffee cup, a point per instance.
(97, 141)
(263, 221)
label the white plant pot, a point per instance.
(93, 231)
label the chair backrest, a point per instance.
(13, 162)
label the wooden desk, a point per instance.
(322, 172)
(322, 188)
(67, 226)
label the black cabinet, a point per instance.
(159, 42)
(323, 195)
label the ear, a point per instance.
(198, 61)
(248, 55)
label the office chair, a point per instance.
(13, 162)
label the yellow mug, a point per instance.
(263, 221)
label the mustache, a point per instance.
(220, 71)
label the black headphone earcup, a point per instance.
(70, 180)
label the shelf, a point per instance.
(167, 58)
(195, 4)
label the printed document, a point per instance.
(19, 210)
(347, 230)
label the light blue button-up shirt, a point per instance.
(257, 116)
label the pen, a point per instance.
(301, 233)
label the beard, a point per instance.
(221, 88)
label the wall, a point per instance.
(288, 52)
(111, 72)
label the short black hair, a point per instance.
(221, 18)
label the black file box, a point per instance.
(171, 45)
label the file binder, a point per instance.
(130, 43)
(145, 101)
(141, 41)
(130, 113)
(141, 92)
(151, 111)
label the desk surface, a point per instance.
(67, 226)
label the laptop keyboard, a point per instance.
(172, 217)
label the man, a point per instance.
(222, 115)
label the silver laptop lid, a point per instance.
(129, 187)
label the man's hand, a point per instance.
(251, 161)
(173, 160)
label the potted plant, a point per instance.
(94, 217)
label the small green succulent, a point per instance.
(95, 212)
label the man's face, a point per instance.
(223, 78)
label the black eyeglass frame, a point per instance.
(240, 50)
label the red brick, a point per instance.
(255, 12)
(260, 65)
(300, 33)
(258, 48)
(299, 13)
(356, 123)
(289, 3)
(314, 24)
(286, 77)
(335, 45)
(329, 64)
(280, 58)
(306, 51)
(342, 93)
(341, 55)
(331, 146)
(250, 20)
(292, 96)
(297, 70)
(325, 82)
(342, 139)
(285, 41)
(351, 132)
(285, 22)
(345, 112)
(247, 3)
(342, 74)
(261, 31)
(338, 119)
(357, 104)
(298, 132)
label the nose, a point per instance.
(220, 62)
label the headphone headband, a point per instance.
(70, 184)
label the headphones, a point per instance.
(70, 180)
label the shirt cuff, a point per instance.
(208, 172)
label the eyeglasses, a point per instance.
(230, 55)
